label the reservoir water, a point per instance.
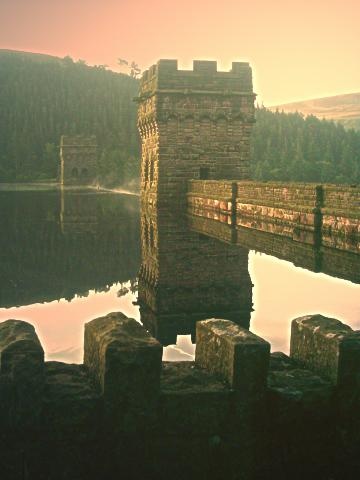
(67, 257)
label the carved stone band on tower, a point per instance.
(194, 124)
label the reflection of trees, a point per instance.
(43, 259)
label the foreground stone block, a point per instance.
(237, 355)
(299, 421)
(125, 362)
(21, 371)
(193, 400)
(71, 401)
(328, 347)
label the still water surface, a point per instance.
(70, 256)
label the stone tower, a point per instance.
(78, 159)
(193, 124)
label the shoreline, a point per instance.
(32, 186)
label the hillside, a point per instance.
(341, 108)
(43, 97)
(290, 147)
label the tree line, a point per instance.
(290, 147)
(43, 97)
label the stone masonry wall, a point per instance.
(329, 213)
(237, 412)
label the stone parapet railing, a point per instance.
(316, 214)
(218, 412)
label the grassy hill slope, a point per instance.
(341, 108)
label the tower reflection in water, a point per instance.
(185, 277)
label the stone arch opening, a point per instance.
(151, 236)
(151, 169)
(188, 127)
(172, 125)
(146, 170)
(221, 126)
(205, 127)
(237, 126)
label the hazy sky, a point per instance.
(298, 49)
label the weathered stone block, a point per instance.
(291, 386)
(71, 401)
(237, 355)
(328, 347)
(22, 371)
(299, 420)
(193, 400)
(125, 361)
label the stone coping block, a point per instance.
(125, 362)
(19, 344)
(21, 373)
(240, 357)
(328, 347)
(192, 399)
(113, 344)
(70, 400)
(290, 384)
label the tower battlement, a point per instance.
(78, 141)
(203, 78)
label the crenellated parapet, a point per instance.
(204, 77)
(193, 124)
(218, 412)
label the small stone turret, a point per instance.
(78, 162)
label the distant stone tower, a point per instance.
(193, 124)
(78, 159)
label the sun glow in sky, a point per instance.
(298, 49)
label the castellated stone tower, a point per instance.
(78, 164)
(193, 124)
